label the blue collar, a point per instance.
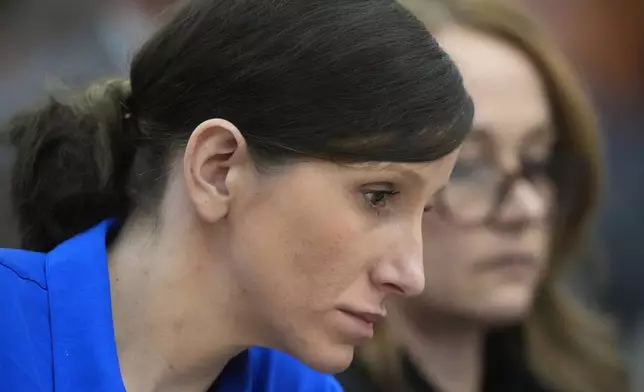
(83, 341)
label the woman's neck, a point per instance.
(163, 309)
(447, 351)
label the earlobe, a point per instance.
(212, 152)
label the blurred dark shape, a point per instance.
(69, 44)
(153, 6)
(8, 232)
(605, 39)
(7, 5)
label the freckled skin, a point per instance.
(317, 244)
(282, 257)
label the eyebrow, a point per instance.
(544, 129)
(406, 173)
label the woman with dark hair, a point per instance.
(259, 181)
(494, 316)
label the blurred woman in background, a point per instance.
(493, 316)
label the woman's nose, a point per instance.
(402, 272)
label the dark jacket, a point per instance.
(505, 370)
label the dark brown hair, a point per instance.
(569, 348)
(348, 81)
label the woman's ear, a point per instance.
(214, 149)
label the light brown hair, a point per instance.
(568, 347)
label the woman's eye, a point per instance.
(378, 199)
(535, 169)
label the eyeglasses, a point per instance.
(478, 188)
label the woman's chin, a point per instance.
(506, 305)
(330, 359)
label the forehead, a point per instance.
(504, 84)
(411, 170)
(432, 175)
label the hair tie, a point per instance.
(125, 110)
(129, 123)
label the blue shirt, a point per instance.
(56, 330)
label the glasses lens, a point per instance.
(473, 199)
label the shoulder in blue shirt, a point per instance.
(56, 329)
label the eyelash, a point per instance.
(384, 196)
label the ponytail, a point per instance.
(72, 164)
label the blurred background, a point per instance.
(48, 44)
